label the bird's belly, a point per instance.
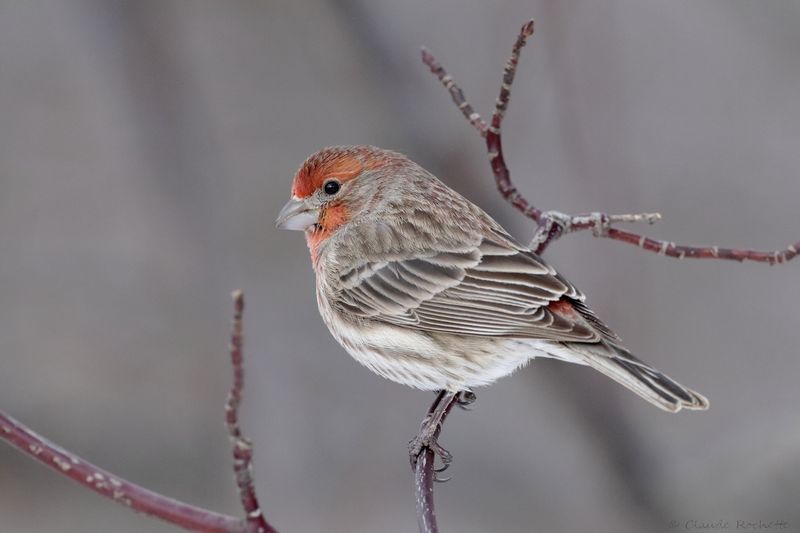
(404, 368)
(405, 357)
(432, 362)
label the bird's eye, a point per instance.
(331, 187)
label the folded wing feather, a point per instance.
(493, 289)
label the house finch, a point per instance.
(424, 288)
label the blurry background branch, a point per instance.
(147, 501)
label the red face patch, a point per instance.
(330, 218)
(340, 163)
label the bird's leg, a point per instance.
(429, 430)
(428, 435)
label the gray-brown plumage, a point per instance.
(424, 288)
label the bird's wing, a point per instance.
(495, 288)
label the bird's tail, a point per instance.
(624, 368)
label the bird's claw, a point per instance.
(465, 399)
(416, 449)
(426, 440)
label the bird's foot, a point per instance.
(465, 398)
(427, 439)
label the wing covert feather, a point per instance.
(491, 289)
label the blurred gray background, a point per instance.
(146, 147)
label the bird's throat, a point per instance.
(331, 218)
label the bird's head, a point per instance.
(334, 185)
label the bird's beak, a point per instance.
(296, 215)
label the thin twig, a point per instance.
(425, 474)
(144, 500)
(241, 446)
(112, 486)
(551, 225)
(455, 92)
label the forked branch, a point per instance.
(144, 500)
(551, 225)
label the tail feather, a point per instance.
(655, 387)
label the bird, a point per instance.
(424, 288)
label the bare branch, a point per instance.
(242, 447)
(113, 487)
(144, 500)
(455, 92)
(775, 257)
(551, 225)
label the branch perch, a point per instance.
(144, 500)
